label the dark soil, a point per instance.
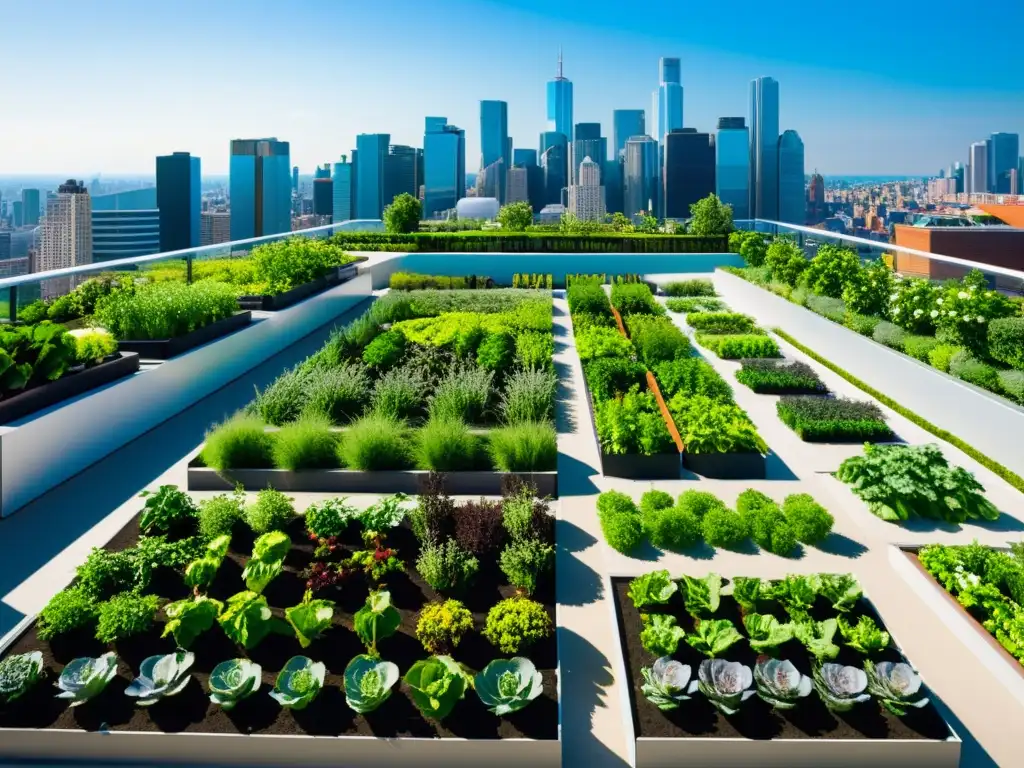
(328, 714)
(697, 718)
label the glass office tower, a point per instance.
(30, 207)
(732, 165)
(341, 205)
(371, 157)
(764, 149)
(444, 166)
(401, 172)
(626, 123)
(670, 97)
(554, 160)
(494, 146)
(588, 142)
(1003, 158)
(688, 174)
(640, 176)
(535, 190)
(260, 188)
(792, 200)
(179, 199)
(559, 103)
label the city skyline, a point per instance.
(853, 118)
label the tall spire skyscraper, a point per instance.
(670, 98)
(764, 149)
(560, 103)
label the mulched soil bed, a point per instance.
(328, 714)
(697, 718)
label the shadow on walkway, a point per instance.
(576, 583)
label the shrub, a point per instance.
(124, 616)
(446, 445)
(522, 516)
(307, 443)
(535, 349)
(729, 347)
(92, 345)
(524, 447)
(329, 518)
(621, 522)
(691, 376)
(165, 310)
(828, 419)
(241, 442)
(1012, 383)
(375, 442)
(403, 214)
(654, 501)
(593, 343)
(752, 246)
(657, 338)
(479, 526)
(401, 393)
(1006, 341)
(723, 528)
(811, 523)
(496, 352)
(695, 305)
(698, 503)
(752, 501)
(441, 626)
(587, 298)
(105, 573)
(463, 394)
(516, 623)
(831, 269)
(868, 290)
(386, 351)
(863, 324)
(911, 305)
(826, 306)
(721, 322)
(632, 424)
(584, 320)
(942, 355)
(890, 335)
(446, 566)
(283, 400)
(272, 511)
(970, 369)
(523, 562)
(433, 518)
(673, 529)
(919, 347)
(711, 426)
(219, 515)
(339, 394)
(785, 261)
(965, 309)
(696, 287)
(529, 395)
(778, 377)
(634, 299)
(766, 523)
(609, 377)
(285, 264)
(68, 610)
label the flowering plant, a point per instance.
(965, 308)
(868, 290)
(912, 304)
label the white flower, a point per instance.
(952, 313)
(939, 302)
(981, 319)
(935, 313)
(917, 312)
(894, 296)
(895, 311)
(962, 294)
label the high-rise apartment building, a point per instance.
(792, 205)
(125, 234)
(295, 179)
(260, 188)
(626, 123)
(323, 195)
(371, 160)
(586, 196)
(341, 191)
(527, 159)
(18, 212)
(5, 245)
(179, 200)
(214, 227)
(559, 103)
(494, 147)
(764, 148)
(403, 168)
(587, 142)
(640, 176)
(978, 180)
(688, 171)
(732, 165)
(67, 235)
(554, 160)
(30, 207)
(444, 166)
(1003, 158)
(670, 97)
(517, 185)
(816, 199)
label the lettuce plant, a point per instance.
(86, 677)
(865, 636)
(714, 637)
(703, 595)
(817, 638)
(839, 687)
(508, 685)
(161, 676)
(726, 684)
(841, 589)
(310, 618)
(654, 588)
(779, 683)
(299, 682)
(233, 680)
(896, 686)
(660, 634)
(189, 618)
(748, 592)
(368, 683)
(797, 594)
(165, 508)
(766, 633)
(19, 673)
(246, 619)
(436, 685)
(667, 684)
(200, 573)
(381, 517)
(267, 560)
(376, 620)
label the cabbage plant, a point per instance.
(667, 684)
(714, 637)
(161, 676)
(436, 684)
(895, 685)
(368, 683)
(508, 685)
(19, 673)
(233, 680)
(376, 620)
(703, 595)
(299, 682)
(654, 588)
(726, 684)
(86, 677)
(840, 687)
(779, 683)
(310, 618)
(189, 618)
(766, 633)
(865, 636)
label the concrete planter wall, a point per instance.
(963, 410)
(39, 453)
(726, 466)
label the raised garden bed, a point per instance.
(202, 478)
(189, 727)
(809, 735)
(70, 385)
(727, 466)
(272, 303)
(165, 349)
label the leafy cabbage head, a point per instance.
(86, 677)
(779, 683)
(233, 680)
(840, 687)
(896, 686)
(667, 683)
(508, 685)
(299, 682)
(161, 676)
(726, 684)
(19, 673)
(368, 683)
(436, 684)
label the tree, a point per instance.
(710, 217)
(571, 224)
(648, 225)
(620, 222)
(403, 215)
(515, 217)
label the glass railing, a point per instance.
(907, 261)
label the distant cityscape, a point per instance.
(647, 164)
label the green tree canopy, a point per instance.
(710, 217)
(403, 215)
(515, 217)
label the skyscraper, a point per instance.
(527, 158)
(688, 172)
(586, 196)
(260, 188)
(816, 199)
(342, 197)
(626, 123)
(792, 204)
(30, 207)
(444, 166)
(560, 103)
(402, 167)
(670, 97)
(517, 185)
(372, 149)
(67, 235)
(179, 200)
(323, 192)
(611, 179)
(732, 165)
(640, 176)
(295, 179)
(1005, 151)
(587, 142)
(764, 148)
(214, 227)
(18, 212)
(554, 160)
(494, 146)
(978, 180)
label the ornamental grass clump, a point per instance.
(241, 442)
(307, 443)
(524, 447)
(529, 395)
(165, 310)
(375, 442)
(446, 445)
(833, 419)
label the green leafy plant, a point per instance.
(766, 633)
(942, 356)
(632, 424)
(780, 377)
(401, 393)
(694, 304)
(868, 290)
(828, 419)
(464, 394)
(68, 610)
(441, 626)
(667, 683)
(377, 620)
(748, 592)
(524, 447)
(890, 335)
(267, 560)
(329, 518)
(496, 352)
(376, 443)
(437, 684)
(85, 678)
(620, 520)
(165, 310)
(830, 270)
(965, 309)
(246, 619)
(529, 396)
(865, 636)
(446, 445)
(507, 685)
(634, 298)
(797, 594)
(657, 339)
(654, 588)
(912, 302)
(124, 616)
(160, 677)
(724, 528)
(721, 322)
(241, 442)
(702, 596)
(200, 573)
(673, 528)
(842, 590)
(299, 682)
(189, 618)
(535, 350)
(1006, 340)
(219, 515)
(447, 566)
(895, 686)
(780, 684)
(310, 618)
(18, 673)
(726, 684)
(338, 394)
(739, 346)
(695, 287)
(386, 351)
(524, 561)
(785, 261)
(709, 426)
(817, 638)
(165, 509)
(272, 511)
(516, 623)
(611, 377)
(713, 637)
(660, 634)
(368, 683)
(965, 366)
(596, 342)
(811, 522)
(305, 444)
(234, 680)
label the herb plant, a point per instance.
(441, 626)
(124, 616)
(165, 508)
(272, 511)
(516, 623)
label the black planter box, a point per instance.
(726, 466)
(269, 303)
(661, 466)
(202, 478)
(165, 349)
(68, 386)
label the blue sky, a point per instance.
(873, 89)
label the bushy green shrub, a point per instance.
(524, 561)
(942, 355)
(516, 623)
(673, 528)
(307, 443)
(635, 299)
(441, 626)
(657, 338)
(695, 287)
(524, 447)
(581, 321)
(446, 445)
(386, 351)
(890, 335)
(722, 527)
(863, 324)
(721, 322)
(833, 419)
(830, 269)
(752, 501)
(621, 521)
(124, 616)
(967, 308)
(285, 264)
(911, 305)
(608, 377)
(1006, 341)
(632, 424)
(92, 345)
(529, 395)
(534, 349)
(811, 522)
(401, 393)
(654, 501)
(68, 610)
(778, 377)
(919, 347)
(587, 298)
(734, 347)
(105, 573)
(374, 443)
(785, 261)
(219, 515)
(698, 503)
(496, 352)
(868, 290)
(283, 400)
(271, 511)
(241, 442)
(463, 394)
(827, 306)
(967, 367)
(691, 376)
(766, 523)
(446, 566)
(1012, 383)
(752, 246)
(593, 343)
(339, 394)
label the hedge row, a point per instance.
(547, 242)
